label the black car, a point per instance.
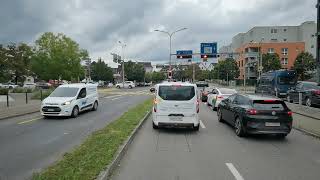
(251, 114)
(310, 93)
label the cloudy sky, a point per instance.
(98, 25)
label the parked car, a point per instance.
(217, 95)
(29, 85)
(251, 114)
(43, 85)
(176, 105)
(127, 84)
(205, 92)
(8, 85)
(310, 92)
(70, 100)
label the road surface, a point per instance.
(29, 143)
(216, 153)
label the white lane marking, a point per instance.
(111, 96)
(202, 125)
(115, 98)
(234, 171)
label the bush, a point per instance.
(3, 91)
(45, 93)
(21, 90)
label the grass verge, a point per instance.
(98, 150)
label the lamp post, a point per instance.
(122, 54)
(170, 34)
(260, 61)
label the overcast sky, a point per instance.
(98, 25)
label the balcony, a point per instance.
(251, 54)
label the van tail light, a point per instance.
(289, 113)
(252, 112)
(198, 105)
(317, 92)
(219, 97)
(155, 102)
(154, 109)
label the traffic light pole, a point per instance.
(318, 41)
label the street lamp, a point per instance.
(122, 54)
(170, 34)
(260, 68)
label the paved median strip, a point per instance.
(234, 171)
(29, 121)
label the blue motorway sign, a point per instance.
(184, 54)
(209, 49)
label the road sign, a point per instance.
(184, 54)
(208, 49)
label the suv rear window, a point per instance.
(176, 93)
(269, 105)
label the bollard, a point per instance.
(41, 94)
(7, 98)
(300, 98)
(26, 97)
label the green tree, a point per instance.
(101, 71)
(19, 61)
(4, 65)
(226, 70)
(57, 56)
(134, 71)
(148, 77)
(304, 65)
(158, 76)
(271, 62)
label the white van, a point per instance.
(70, 99)
(176, 104)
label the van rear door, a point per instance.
(176, 100)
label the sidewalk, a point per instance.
(18, 110)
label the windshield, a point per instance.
(176, 93)
(64, 92)
(286, 80)
(228, 91)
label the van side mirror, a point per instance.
(152, 89)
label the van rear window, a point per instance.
(269, 105)
(176, 93)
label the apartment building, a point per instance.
(250, 53)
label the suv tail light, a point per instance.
(317, 92)
(219, 97)
(289, 113)
(252, 111)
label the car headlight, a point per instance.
(66, 103)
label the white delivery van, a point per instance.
(176, 104)
(70, 99)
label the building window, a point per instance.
(274, 40)
(312, 46)
(270, 51)
(284, 51)
(284, 30)
(241, 63)
(284, 61)
(284, 39)
(273, 31)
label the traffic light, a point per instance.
(184, 56)
(169, 74)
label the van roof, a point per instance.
(78, 85)
(176, 83)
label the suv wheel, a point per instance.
(239, 128)
(308, 102)
(219, 113)
(130, 87)
(281, 136)
(75, 112)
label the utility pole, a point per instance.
(318, 41)
(122, 55)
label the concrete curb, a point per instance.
(18, 115)
(302, 114)
(106, 174)
(307, 132)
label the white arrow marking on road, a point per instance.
(234, 171)
(202, 125)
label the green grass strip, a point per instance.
(98, 150)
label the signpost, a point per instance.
(208, 50)
(184, 54)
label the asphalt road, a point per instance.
(216, 153)
(30, 143)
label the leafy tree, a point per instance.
(158, 76)
(226, 70)
(271, 62)
(304, 65)
(18, 60)
(4, 65)
(134, 71)
(148, 77)
(101, 71)
(57, 56)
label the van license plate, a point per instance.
(175, 118)
(50, 110)
(272, 124)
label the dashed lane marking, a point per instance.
(234, 171)
(29, 121)
(202, 125)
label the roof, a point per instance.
(77, 85)
(260, 97)
(176, 83)
(146, 64)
